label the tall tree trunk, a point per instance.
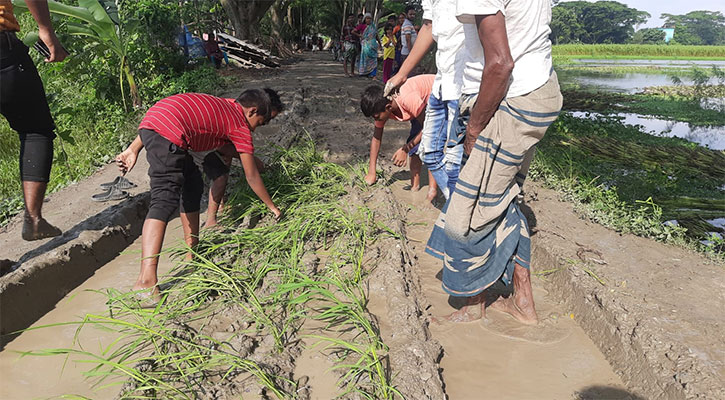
(245, 16)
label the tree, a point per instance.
(245, 16)
(96, 22)
(698, 27)
(600, 22)
(649, 36)
(564, 26)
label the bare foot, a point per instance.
(526, 314)
(473, 311)
(414, 188)
(431, 196)
(38, 229)
(147, 296)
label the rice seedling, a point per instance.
(246, 293)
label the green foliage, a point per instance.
(629, 180)
(599, 22)
(649, 36)
(698, 27)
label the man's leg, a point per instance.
(152, 237)
(415, 167)
(190, 226)
(432, 188)
(216, 199)
(433, 142)
(521, 303)
(23, 103)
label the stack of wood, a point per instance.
(246, 54)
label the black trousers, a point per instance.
(24, 105)
(175, 178)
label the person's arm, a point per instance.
(401, 156)
(422, 44)
(254, 179)
(372, 175)
(496, 74)
(39, 10)
(127, 159)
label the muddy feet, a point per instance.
(147, 296)
(474, 310)
(430, 198)
(518, 307)
(38, 229)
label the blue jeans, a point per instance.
(441, 145)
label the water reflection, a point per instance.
(712, 137)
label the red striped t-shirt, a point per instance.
(200, 122)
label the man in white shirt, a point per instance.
(441, 146)
(508, 102)
(408, 33)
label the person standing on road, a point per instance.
(441, 145)
(349, 45)
(399, 45)
(24, 105)
(507, 104)
(407, 34)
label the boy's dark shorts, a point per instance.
(415, 128)
(175, 179)
(211, 163)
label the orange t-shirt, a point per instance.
(7, 18)
(412, 99)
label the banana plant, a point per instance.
(97, 21)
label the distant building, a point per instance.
(669, 31)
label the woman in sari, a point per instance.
(369, 42)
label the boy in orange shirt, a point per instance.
(408, 105)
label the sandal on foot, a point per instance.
(40, 230)
(113, 193)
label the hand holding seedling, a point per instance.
(400, 158)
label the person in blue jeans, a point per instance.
(441, 143)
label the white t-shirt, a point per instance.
(527, 28)
(450, 59)
(407, 28)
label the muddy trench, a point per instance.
(399, 288)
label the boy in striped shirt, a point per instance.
(170, 131)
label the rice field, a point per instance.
(640, 51)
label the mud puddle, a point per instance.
(51, 377)
(498, 357)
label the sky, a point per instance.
(657, 7)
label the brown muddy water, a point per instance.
(497, 357)
(494, 358)
(51, 377)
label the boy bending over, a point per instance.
(408, 105)
(170, 131)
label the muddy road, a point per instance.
(492, 358)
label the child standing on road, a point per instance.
(170, 130)
(389, 44)
(408, 105)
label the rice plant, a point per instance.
(255, 278)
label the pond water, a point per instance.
(621, 83)
(636, 81)
(590, 62)
(712, 137)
